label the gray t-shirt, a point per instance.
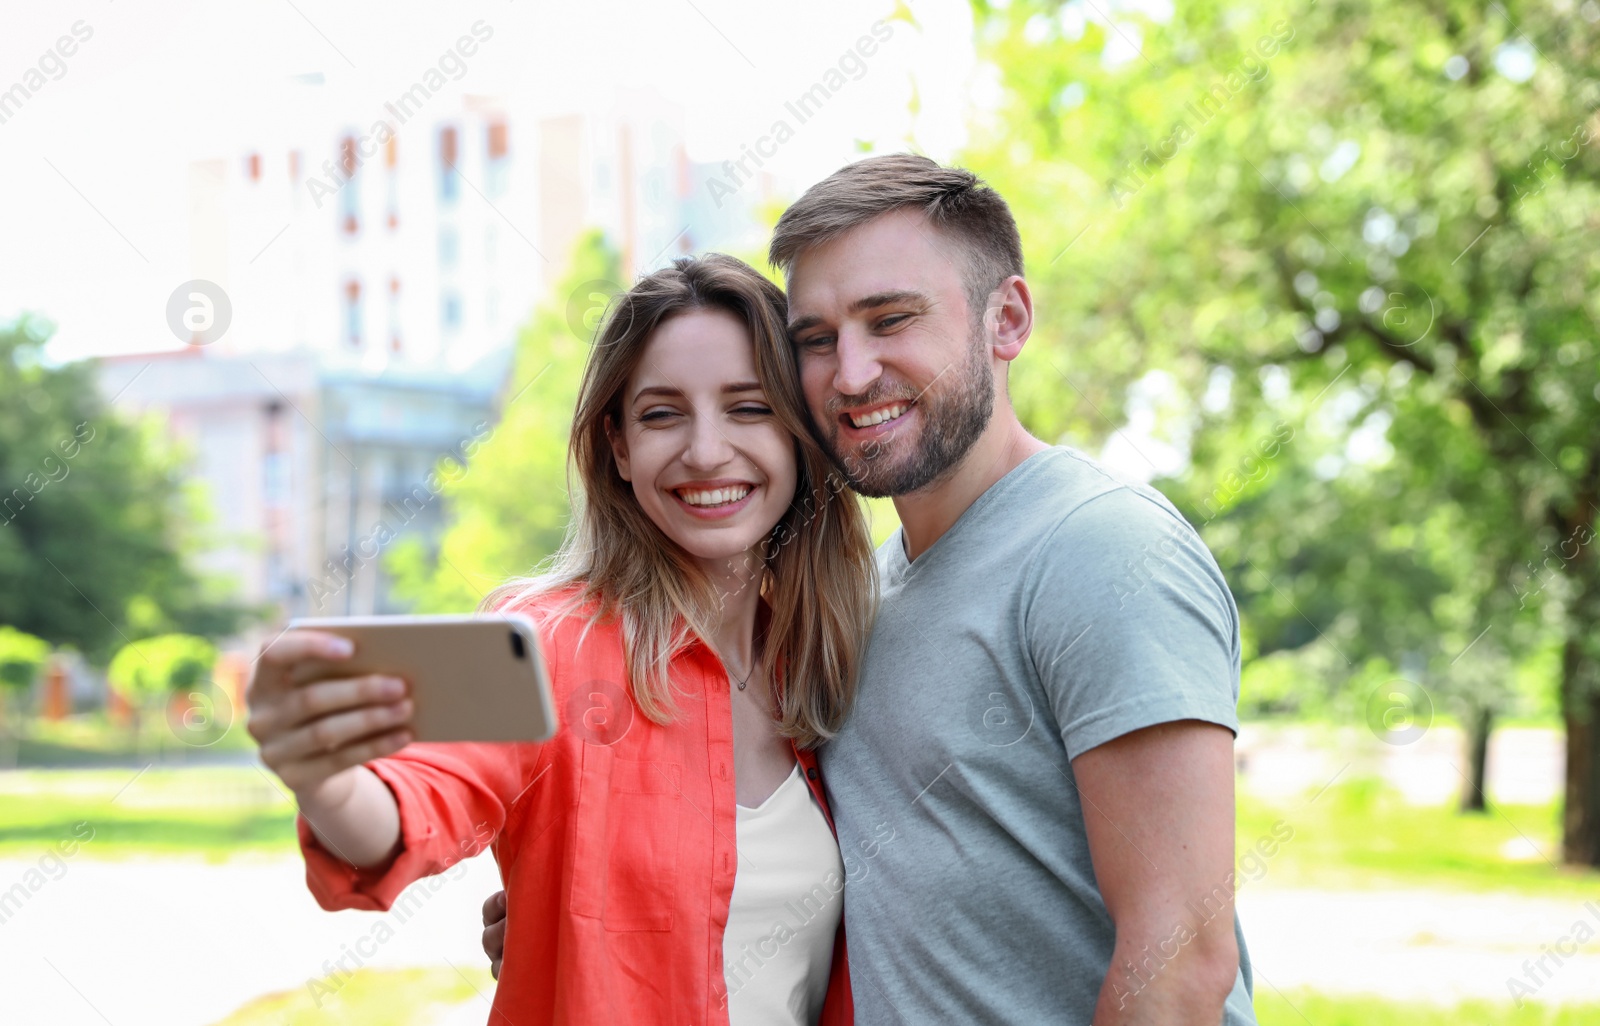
(1063, 609)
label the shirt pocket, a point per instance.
(625, 859)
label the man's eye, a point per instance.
(891, 320)
(815, 342)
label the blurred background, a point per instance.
(295, 296)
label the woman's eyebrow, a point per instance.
(732, 388)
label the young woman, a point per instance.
(667, 856)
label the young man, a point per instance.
(1034, 792)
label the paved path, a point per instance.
(177, 942)
(1439, 946)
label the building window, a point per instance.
(252, 167)
(349, 163)
(275, 478)
(352, 312)
(394, 314)
(450, 312)
(449, 248)
(497, 167)
(449, 189)
(390, 159)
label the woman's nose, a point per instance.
(709, 446)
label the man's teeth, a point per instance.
(879, 416)
(716, 496)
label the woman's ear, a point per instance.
(619, 448)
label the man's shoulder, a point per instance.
(1086, 502)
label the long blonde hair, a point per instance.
(815, 569)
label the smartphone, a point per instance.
(478, 677)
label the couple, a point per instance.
(1023, 814)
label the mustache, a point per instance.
(871, 397)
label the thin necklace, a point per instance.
(755, 658)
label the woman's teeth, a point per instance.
(879, 416)
(715, 496)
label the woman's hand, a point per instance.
(315, 734)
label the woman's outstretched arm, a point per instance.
(316, 736)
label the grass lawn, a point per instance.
(412, 997)
(91, 739)
(1359, 834)
(1356, 835)
(212, 812)
(1300, 1007)
(407, 997)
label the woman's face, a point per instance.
(706, 456)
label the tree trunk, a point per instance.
(1580, 708)
(1473, 795)
(1580, 835)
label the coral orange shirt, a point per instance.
(615, 841)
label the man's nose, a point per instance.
(858, 365)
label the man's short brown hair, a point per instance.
(955, 201)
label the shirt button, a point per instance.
(811, 774)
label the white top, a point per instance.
(788, 893)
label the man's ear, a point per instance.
(1008, 319)
(619, 448)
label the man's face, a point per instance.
(896, 372)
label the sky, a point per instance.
(94, 166)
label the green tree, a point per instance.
(1379, 219)
(147, 674)
(510, 509)
(22, 656)
(94, 514)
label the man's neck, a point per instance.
(927, 514)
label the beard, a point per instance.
(954, 410)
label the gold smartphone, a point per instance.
(478, 677)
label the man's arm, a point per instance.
(1158, 808)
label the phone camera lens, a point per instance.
(517, 648)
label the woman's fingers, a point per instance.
(273, 675)
(311, 728)
(298, 645)
(279, 713)
(333, 732)
(303, 774)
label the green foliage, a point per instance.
(94, 514)
(155, 667)
(21, 657)
(1355, 261)
(510, 509)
